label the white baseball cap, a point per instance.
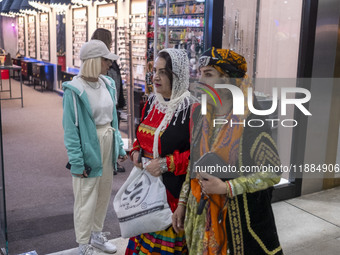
(95, 49)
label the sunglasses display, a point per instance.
(79, 33)
(123, 51)
(31, 37)
(108, 22)
(21, 35)
(44, 37)
(138, 24)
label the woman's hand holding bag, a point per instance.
(141, 204)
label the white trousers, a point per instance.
(92, 195)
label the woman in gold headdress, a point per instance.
(230, 214)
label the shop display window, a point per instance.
(240, 29)
(44, 37)
(79, 33)
(32, 37)
(107, 18)
(123, 35)
(138, 40)
(267, 34)
(21, 36)
(180, 24)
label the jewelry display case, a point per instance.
(107, 18)
(21, 36)
(44, 37)
(180, 24)
(138, 41)
(32, 45)
(79, 33)
(123, 35)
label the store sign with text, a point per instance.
(180, 22)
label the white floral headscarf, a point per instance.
(180, 99)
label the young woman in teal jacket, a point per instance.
(93, 144)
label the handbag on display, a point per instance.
(141, 204)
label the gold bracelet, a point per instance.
(182, 203)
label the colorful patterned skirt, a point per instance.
(163, 242)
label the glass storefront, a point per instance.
(267, 34)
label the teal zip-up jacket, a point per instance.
(80, 133)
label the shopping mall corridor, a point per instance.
(40, 200)
(38, 186)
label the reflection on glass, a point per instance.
(267, 34)
(239, 29)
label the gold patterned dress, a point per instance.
(241, 222)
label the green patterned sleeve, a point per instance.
(262, 172)
(183, 197)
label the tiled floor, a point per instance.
(308, 225)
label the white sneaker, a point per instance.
(86, 249)
(99, 240)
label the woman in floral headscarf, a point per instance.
(230, 214)
(163, 140)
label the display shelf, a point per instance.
(21, 36)
(178, 2)
(186, 25)
(179, 15)
(106, 18)
(79, 33)
(123, 51)
(32, 44)
(44, 37)
(138, 23)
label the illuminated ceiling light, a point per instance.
(42, 5)
(26, 8)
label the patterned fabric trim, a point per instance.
(184, 195)
(147, 129)
(165, 242)
(171, 163)
(252, 232)
(236, 226)
(230, 193)
(259, 149)
(182, 203)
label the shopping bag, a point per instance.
(141, 204)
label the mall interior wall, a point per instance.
(9, 35)
(326, 44)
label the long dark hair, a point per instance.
(103, 35)
(168, 65)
